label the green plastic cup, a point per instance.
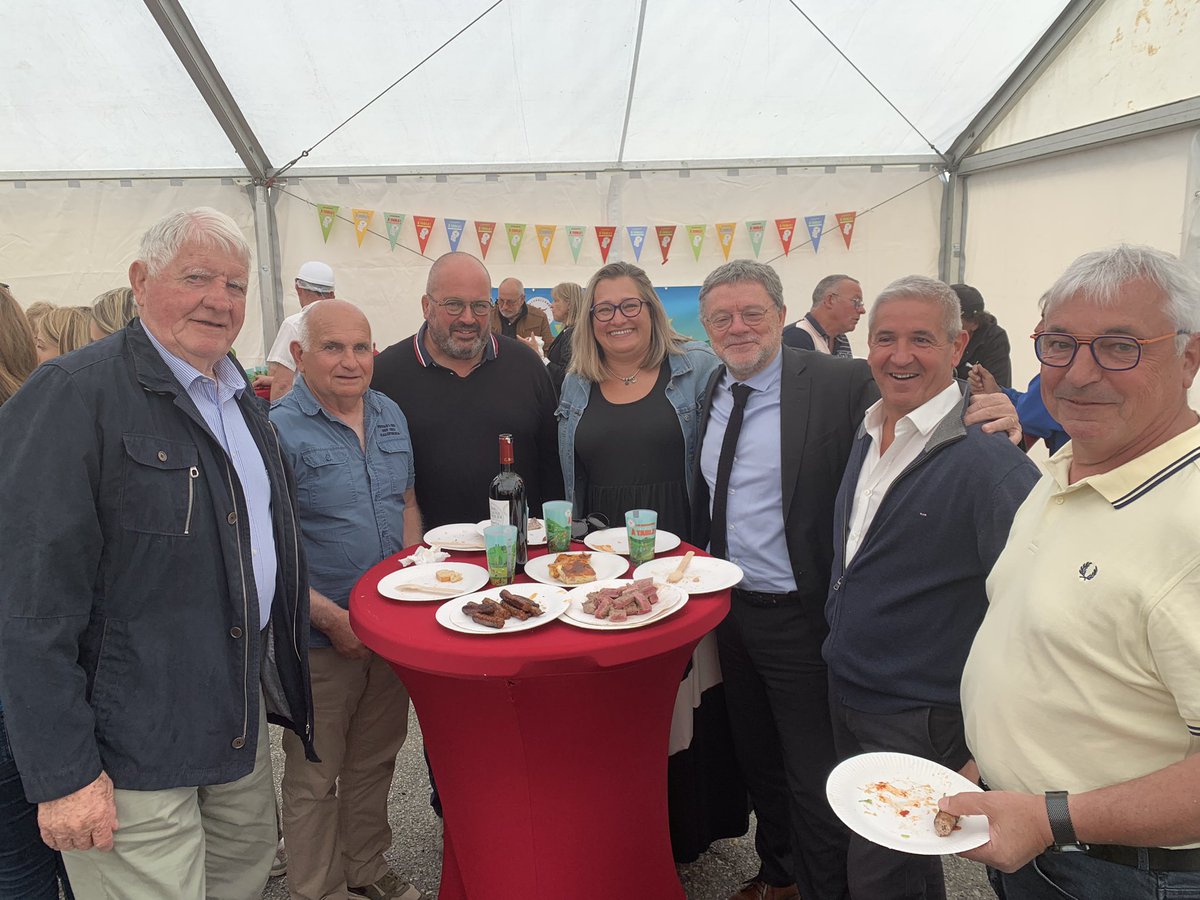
(501, 543)
(640, 526)
(557, 516)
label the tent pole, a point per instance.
(953, 231)
(266, 239)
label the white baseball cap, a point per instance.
(316, 274)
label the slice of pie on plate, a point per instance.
(572, 568)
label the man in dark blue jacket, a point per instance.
(154, 605)
(923, 511)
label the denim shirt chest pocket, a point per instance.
(159, 485)
(326, 480)
(396, 461)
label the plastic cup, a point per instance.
(501, 543)
(557, 516)
(640, 526)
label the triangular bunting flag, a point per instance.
(326, 215)
(666, 234)
(786, 228)
(545, 236)
(394, 222)
(725, 232)
(516, 234)
(637, 238)
(575, 235)
(815, 226)
(604, 237)
(756, 230)
(696, 239)
(362, 221)
(424, 226)
(846, 226)
(454, 230)
(484, 231)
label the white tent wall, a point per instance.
(66, 244)
(897, 238)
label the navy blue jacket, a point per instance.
(903, 614)
(129, 632)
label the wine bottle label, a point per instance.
(498, 510)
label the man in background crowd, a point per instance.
(313, 282)
(837, 307)
(513, 317)
(988, 344)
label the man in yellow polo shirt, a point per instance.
(1082, 691)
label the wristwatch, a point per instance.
(1063, 832)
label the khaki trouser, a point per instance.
(207, 843)
(335, 820)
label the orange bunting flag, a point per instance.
(516, 234)
(545, 236)
(484, 231)
(787, 227)
(604, 236)
(666, 234)
(424, 226)
(362, 221)
(326, 215)
(846, 226)
(725, 232)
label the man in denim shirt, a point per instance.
(350, 450)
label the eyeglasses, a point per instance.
(630, 309)
(455, 306)
(752, 318)
(1113, 352)
(857, 301)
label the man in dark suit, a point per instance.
(778, 427)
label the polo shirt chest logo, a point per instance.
(1088, 571)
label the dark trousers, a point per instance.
(28, 868)
(1074, 876)
(936, 733)
(777, 694)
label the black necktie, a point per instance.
(717, 540)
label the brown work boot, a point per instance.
(760, 890)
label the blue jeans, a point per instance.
(28, 868)
(1075, 876)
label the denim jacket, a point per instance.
(690, 372)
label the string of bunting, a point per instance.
(664, 235)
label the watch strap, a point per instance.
(1061, 827)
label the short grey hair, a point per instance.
(826, 284)
(203, 225)
(922, 287)
(303, 332)
(742, 270)
(1099, 276)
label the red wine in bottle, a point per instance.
(506, 498)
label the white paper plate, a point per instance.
(891, 800)
(616, 540)
(552, 599)
(704, 574)
(460, 536)
(534, 537)
(473, 578)
(670, 600)
(607, 565)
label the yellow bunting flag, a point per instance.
(362, 221)
(326, 215)
(696, 239)
(725, 232)
(516, 234)
(545, 236)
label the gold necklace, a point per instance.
(627, 379)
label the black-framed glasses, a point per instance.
(630, 308)
(752, 318)
(456, 307)
(1113, 352)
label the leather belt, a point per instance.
(1158, 859)
(762, 598)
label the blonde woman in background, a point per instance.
(565, 300)
(111, 312)
(34, 314)
(18, 353)
(63, 329)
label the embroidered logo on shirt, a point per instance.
(1088, 571)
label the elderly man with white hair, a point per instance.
(1082, 690)
(154, 604)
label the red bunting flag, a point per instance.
(846, 226)
(666, 234)
(484, 231)
(787, 227)
(424, 227)
(604, 237)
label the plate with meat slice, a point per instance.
(570, 569)
(504, 610)
(616, 540)
(891, 799)
(704, 574)
(620, 603)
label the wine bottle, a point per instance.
(507, 503)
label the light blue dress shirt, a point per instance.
(754, 512)
(217, 404)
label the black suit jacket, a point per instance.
(822, 402)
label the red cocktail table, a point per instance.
(549, 746)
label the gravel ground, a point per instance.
(417, 846)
